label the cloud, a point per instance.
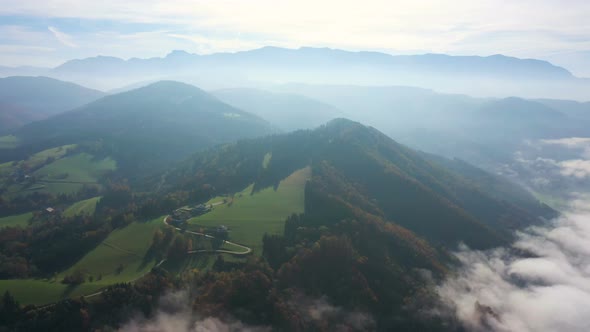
(580, 144)
(319, 311)
(183, 322)
(578, 168)
(174, 315)
(542, 282)
(546, 290)
(570, 142)
(62, 37)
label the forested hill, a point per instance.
(156, 124)
(376, 216)
(355, 219)
(358, 170)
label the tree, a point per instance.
(76, 278)
(9, 308)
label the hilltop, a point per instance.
(150, 126)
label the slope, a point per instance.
(393, 183)
(150, 126)
(27, 99)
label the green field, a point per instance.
(69, 174)
(8, 142)
(21, 220)
(37, 159)
(64, 175)
(56, 153)
(85, 207)
(216, 199)
(126, 247)
(250, 216)
(6, 168)
(33, 291)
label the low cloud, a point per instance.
(570, 142)
(319, 312)
(556, 166)
(578, 168)
(545, 289)
(542, 282)
(174, 315)
(581, 144)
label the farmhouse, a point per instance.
(185, 213)
(221, 231)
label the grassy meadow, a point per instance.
(85, 207)
(249, 216)
(124, 248)
(19, 220)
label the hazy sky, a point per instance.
(49, 32)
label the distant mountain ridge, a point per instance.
(26, 99)
(495, 65)
(487, 76)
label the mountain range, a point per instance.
(495, 75)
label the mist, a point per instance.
(491, 76)
(174, 315)
(542, 281)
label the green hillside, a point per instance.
(69, 174)
(124, 248)
(21, 220)
(8, 142)
(147, 127)
(432, 199)
(85, 207)
(249, 214)
(119, 258)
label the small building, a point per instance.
(177, 222)
(200, 209)
(50, 210)
(221, 231)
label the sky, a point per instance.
(50, 32)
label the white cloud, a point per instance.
(550, 291)
(174, 315)
(570, 142)
(578, 168)
(541, 283)
(62, 37)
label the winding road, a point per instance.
(246, 250)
